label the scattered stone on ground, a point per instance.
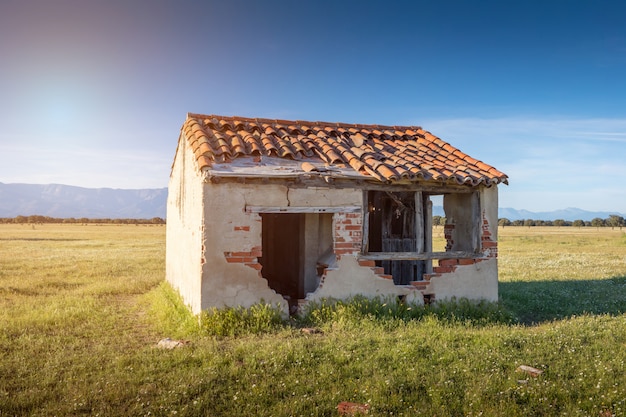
(534, 372)
(311, 330)
(168, 343)
(347, 408)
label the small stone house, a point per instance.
(286, 212)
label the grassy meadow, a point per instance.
(83, 307)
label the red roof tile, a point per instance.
(387, 153)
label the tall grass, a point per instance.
(82, 309)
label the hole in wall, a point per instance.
(297, 247)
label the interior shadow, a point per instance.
(535, 302)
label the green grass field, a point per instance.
(83, 307)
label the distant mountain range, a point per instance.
(65, 201)
(569, 214)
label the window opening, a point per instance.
(394, 226)
(399, 231)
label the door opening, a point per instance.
(295, 245)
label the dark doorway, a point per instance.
(392, 228)
(282, 243)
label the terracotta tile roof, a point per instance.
(387, 153)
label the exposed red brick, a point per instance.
(234, 260)
(467, 261)
(448, 262)
(242, 228)
(444, 269)
(427, 277)
(341, 245)
(367, 263)
(239, 253)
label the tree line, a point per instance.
(37, 219)
(612, 221)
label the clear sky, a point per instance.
(93, 93)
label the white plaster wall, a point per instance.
(489, 203)
(318, 239)
(350, 279)
(184, 233)
(226, 223)
(475, 282)
(478, 281)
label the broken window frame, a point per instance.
(423, 225)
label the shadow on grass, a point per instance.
(534, 302)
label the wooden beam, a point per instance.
(365, 242)
(414, 256)
(291, 209)
(305, 180)
(476, 222)
(420, 231)
(428, 237)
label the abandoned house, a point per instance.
(286, 212)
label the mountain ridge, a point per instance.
(66, 201)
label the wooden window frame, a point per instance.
(423, 222)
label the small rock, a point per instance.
(311, 330)
(168, 343)
(534, 372)
(346, 408)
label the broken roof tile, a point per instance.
(386, 153)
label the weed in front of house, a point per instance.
(359, 309)
(236, 321)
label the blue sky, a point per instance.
(93, 93)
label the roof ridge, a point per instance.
(308, 122)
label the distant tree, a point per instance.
(597, 222)
(559, 222)
(615, 221)
(504, 222)
(517, 223)
(578, 223)
(529, 222)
